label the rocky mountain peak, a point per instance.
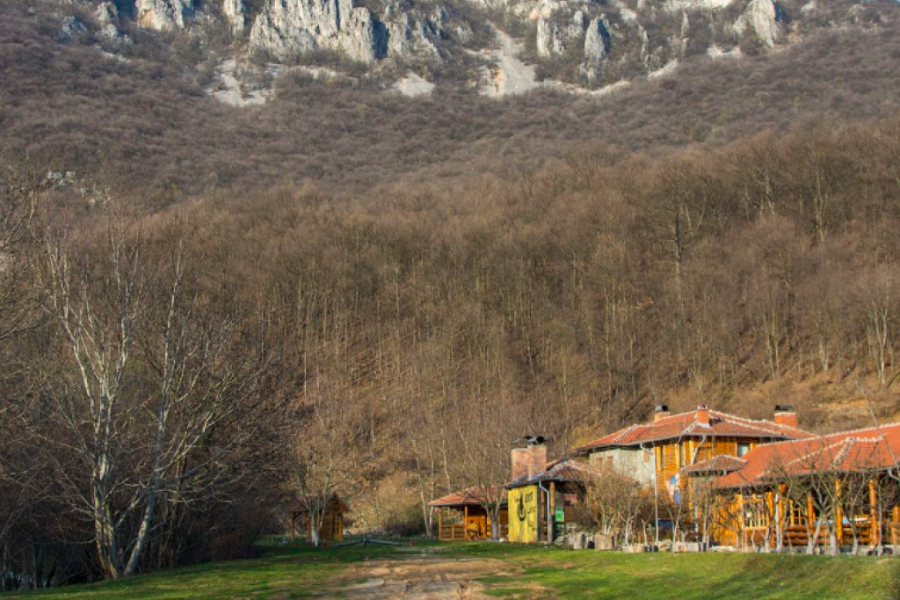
(588, 43)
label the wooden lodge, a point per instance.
(839, 489)
(659, 454)
(462, 516)
(332, 529)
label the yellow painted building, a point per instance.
(524, 514)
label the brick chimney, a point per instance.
(703, 415)
(530, 460)
(785, 415)
(660, 412)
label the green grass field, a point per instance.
(513, 572)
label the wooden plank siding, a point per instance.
(671, 457)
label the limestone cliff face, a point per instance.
(591, 37)
(597, 41)
(287, 28)
(554, 39)
(762, 17)
(236, 13)
(163, 15)
(107, 18)
(585, 41)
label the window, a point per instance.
(743, 448)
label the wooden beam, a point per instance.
(466, 522)
(551, 516)
(839, 514)
(873, 512)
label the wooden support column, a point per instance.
(839, 514)
(466, 522)
(552, 511)
(740, 509)
(873, 512)
(440, 523)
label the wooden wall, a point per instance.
(524, 510)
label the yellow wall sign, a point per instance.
(524, 508)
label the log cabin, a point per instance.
(463, 516)
(332, 529)
(839, 489)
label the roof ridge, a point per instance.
(749, 420)
(874, 429)
(623, 431)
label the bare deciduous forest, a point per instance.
(346, 290)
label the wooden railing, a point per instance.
(457, 533)
(797, 536)
(452, 533)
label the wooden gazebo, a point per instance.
(463, 517)
(332, 522)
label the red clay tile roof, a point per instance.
(560, 470)
(470, 497)
(686, 425)
(857, 450)
(718, 464)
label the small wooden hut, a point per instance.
(543, 504)
(463, 517)
(332, 523)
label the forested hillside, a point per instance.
(406, 336)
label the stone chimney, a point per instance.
(530, 460)
(785, 415)
(660, 412)
(703, 415)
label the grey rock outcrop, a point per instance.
(106, 16)
(287, 28)
(407, 35)
(71, 27)
(554, 39)
(761, 17)
(236, 13)
(597, 42)
(547, 41)
(163, 15)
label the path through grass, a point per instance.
(519, 573)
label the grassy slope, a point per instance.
(563, 574)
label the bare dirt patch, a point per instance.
(416, 578)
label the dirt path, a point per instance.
(417, 578)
